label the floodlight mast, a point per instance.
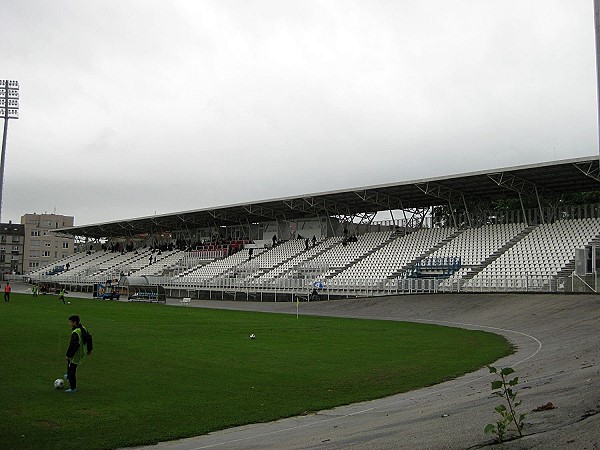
(597, 34)
(9, 109)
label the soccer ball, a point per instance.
(252, 336)
(59, 383)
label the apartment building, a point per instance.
(12, 247)
(42, 245)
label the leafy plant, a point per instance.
(503, 388)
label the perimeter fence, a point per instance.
(286, 289)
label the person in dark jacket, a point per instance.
(80, 345)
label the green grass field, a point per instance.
(163, 372)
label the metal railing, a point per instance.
(349, 288)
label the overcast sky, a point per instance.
(134, 108)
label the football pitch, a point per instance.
(162, 372)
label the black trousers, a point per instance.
(72, 375)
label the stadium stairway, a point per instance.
(337, 270)
(494, 256)
(264, 270)
(272, 257)
(567, 270)
(277, 268)
(569, 267)
(411, 264)
(286, 269)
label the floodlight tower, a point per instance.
(9, 109)
(597, 34)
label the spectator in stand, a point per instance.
(306, 243)
(314, 240)
(274, 240)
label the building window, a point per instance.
(65, 245)
(35, 232)
(46, 254)
(33, 264)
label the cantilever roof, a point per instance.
(557, 177)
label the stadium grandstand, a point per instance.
(531, 228)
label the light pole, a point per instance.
(9, 109)
(597, 35)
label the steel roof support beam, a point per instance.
(223, 215)
(417, 217)
(187, 222)
(185, 231)
(326, 205)
(452, 196)
(300, 205)
(128, 227)
(516, 184)
(521, 187)
(317, 206)
(363, 218)
(161, 225)
(590, 169)
(263, 211)
(380, 199)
